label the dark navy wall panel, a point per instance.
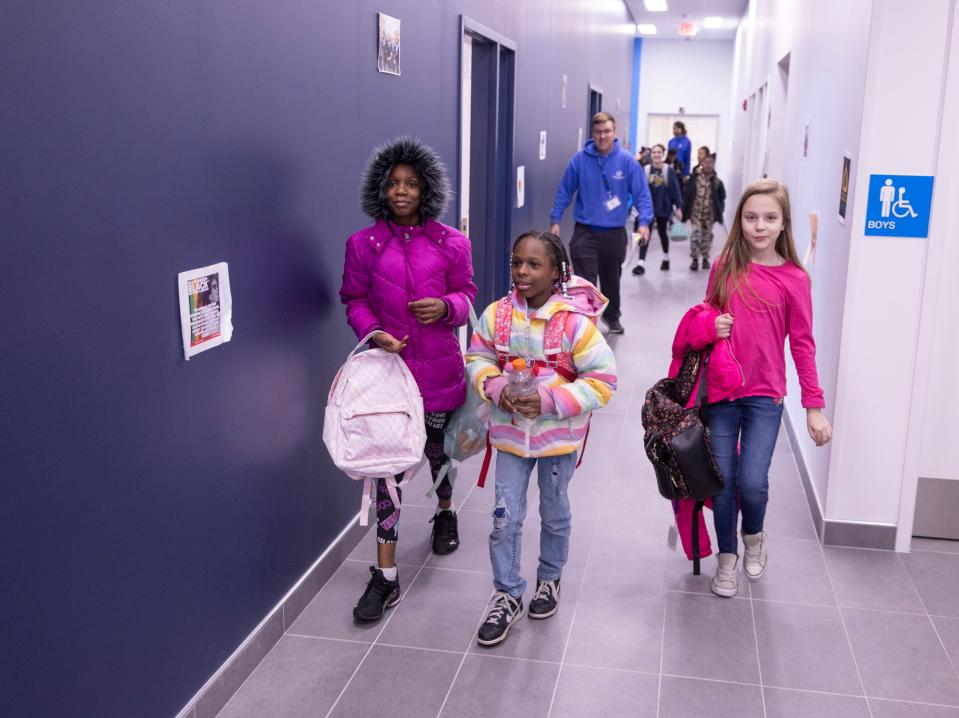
(153, 510)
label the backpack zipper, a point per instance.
(380, 413)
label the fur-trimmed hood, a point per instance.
(434, 190)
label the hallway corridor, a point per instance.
(829, 632)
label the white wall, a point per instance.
(695, 75)
(868, 77)
(931, 448)
(938, 347)
(825, 40)
(884, 293)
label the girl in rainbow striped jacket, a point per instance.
(548, 319)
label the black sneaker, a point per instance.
(546, 599)
(614, 326)
(639, 269)
(379, 595)
(694, 266)
(705, 264)
(665, 265)
(445, 536)
(501, 612)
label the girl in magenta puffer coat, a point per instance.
(411, 278)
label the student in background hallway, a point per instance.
(677, 167)
(410, 278)
(763, 292)
(643, 156)
(547, 308)
(704, 204)
(701, 154)
(667, 200)
(605, 178)
(680, 142)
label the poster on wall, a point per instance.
(206, 308)
(810, 259)
(844, 186)
(388, 52)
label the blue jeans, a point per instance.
(506, 539)
(743, 435)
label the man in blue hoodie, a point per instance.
(606, 180)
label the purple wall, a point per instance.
(152, 511)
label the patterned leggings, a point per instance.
(700, 240)
(387, 515)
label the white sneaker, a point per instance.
(724, 582)
(754, 555)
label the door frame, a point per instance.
(499, 150)
(591, 88)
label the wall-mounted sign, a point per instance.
(206, 308)
(388, 45)
(898, 205)
(542, 144)
(520, 186)
(563, 94)
(844, 186)
(810, 259)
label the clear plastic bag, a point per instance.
(467, 429)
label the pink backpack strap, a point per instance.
(561, 361)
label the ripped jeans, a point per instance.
(506, 539)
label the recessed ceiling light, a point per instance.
(655, 5)
(646, 29)
(713, 23)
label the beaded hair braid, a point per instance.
(558, 251)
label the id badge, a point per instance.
(612, 203)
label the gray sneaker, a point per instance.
(724, 582)
(502, 611)
(754, 555)
(546, 599)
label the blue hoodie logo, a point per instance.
(618, 175)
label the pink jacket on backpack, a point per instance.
(697, 329)
(384, 271)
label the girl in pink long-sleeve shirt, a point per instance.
(764, 295)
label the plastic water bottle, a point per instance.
(521, 382)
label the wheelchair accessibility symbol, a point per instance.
(899, 205)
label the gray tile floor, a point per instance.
(828, 632)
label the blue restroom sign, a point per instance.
(898, 205)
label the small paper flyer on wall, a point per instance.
(206, 308)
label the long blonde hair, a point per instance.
(732, 267)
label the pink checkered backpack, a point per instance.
(374, 426)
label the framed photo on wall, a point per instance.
(388, 44)
(844, 186)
